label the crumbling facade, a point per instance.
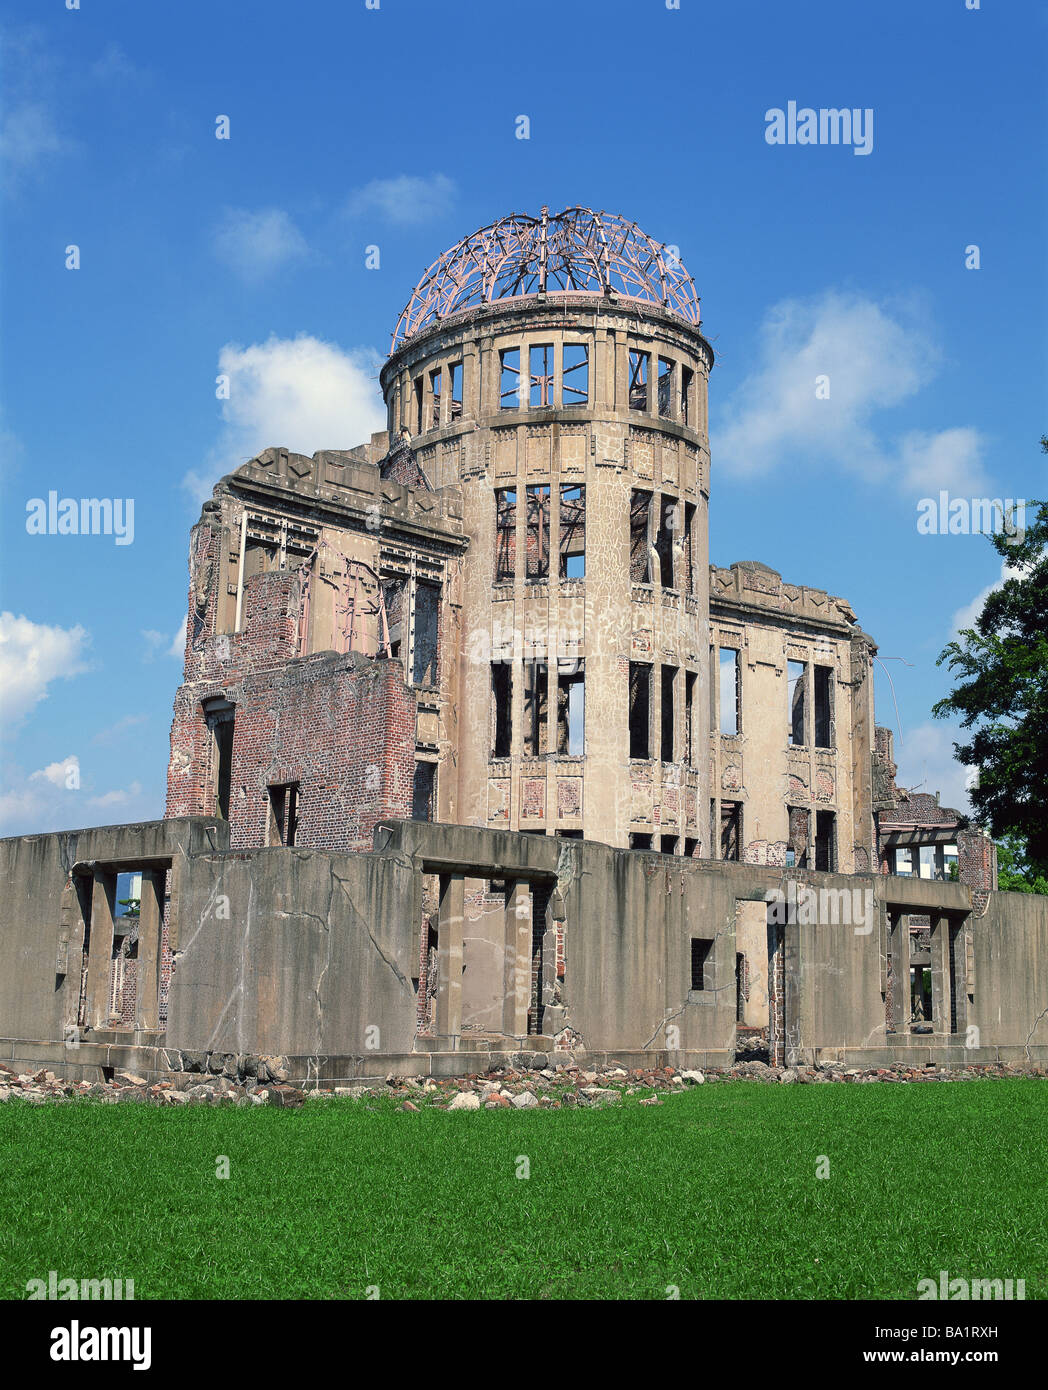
(475, 751)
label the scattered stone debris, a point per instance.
(539, 1086)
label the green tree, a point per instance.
(1002, 694)
(1014, 874)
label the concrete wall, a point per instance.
(314, 954)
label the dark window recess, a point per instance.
(640, 537)
(823, 696)
(455, 371)
(571, 713)
(796, 674)
(575, 374)
(422, 791)
(505, 533)
(640, 842)
(434, 398)
(638, 382)
(640, 709)
(394, 592)
(540, 372)
(688, 555)
(427, 613)
(701, 961)
(797, 847)
(572, 532)
(418, 404)
(689, 718)
(501, 708)
(222, 721)
(825, 842)
(665, 387)
(668, 844)
(687, 376)
(569, 834)
(730, 667)
(731, 829)
(538, 531)
(509, 379)
(669, 524)
(283, 814)
(536, 690)
(691, 847)
(668, 677)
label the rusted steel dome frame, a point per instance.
(578, 251)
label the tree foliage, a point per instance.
(1002, 693)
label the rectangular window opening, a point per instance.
(796, 678)
(640, 842)
(571, 712)
(536, 692)
(538, 531)
(575, 374)
(823, 697)
(691, 848)
(731, 830)
(689, 717)
(510, 383)
(427, 626)
(540, 372)
(640, 536)
(283, 814)
(797, 844)
(455, 371)
(501, 708)
(665, 387)
(505, 533)
(701, 963)
(669, 525)
(668, 844)
(572, 532)
(419, 393)
(668, 676)
(825, 842)
(687, 376)
(434, 398)
(423, 791)
(220, 715)
(640, 709)
(730, 691)
(638, 384)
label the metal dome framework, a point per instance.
(578, 251)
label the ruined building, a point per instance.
(419, 672)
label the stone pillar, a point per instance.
(100, 958)
(518, 959)
(449, 954)
(899, 949)
(151, 914)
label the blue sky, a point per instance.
(397, 127)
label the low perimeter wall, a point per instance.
(447, 944)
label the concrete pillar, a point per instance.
(151, 915)
(517, 979)
(100, 958)
(449, 954)
(900, 963)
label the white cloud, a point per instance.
(28, 134)
(164, 643)
(926, 764)
(966, 617)
(405, 200)
(255, 244)
(118, 797)
(299, 393)
(64, 774)
(113, 733)
(873, 357)
(32, 655)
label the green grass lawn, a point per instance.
(714, 1192)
